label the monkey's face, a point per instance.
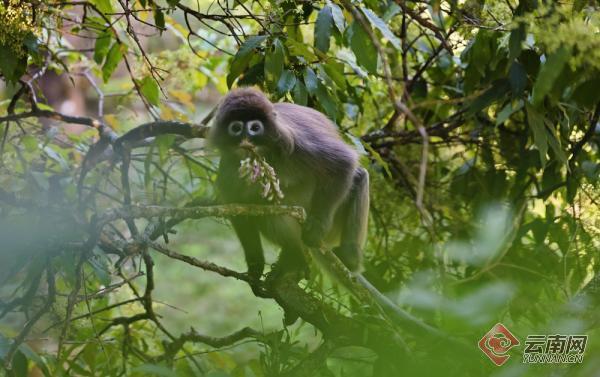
(241, 133)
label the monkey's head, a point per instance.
(246, 119)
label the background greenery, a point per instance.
(478, 122)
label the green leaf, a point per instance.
(326, 102)
(30, 143)
(101, 47)
(150, 90)
(507, 111)
(114, 56)
(515, 42)
(491, 95)
(587, 93)
(382, 26)
(164, 142)
(335, 70)
(481, 51)
(300, 94)
(538, 128)
(363, 48)
(20, 366)
(159, 18)
(33, 356)
(242, 57)
(518, 79)
(338, 17)
(274, 64)
(392, 10)
(11, 66)
(554, 142)
(549, 73)
(32, 44)
(300, 50)
(103, 6)
(323, 28)
(310, 80)
(287, 81)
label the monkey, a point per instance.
(316, 169)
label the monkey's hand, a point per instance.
(313, 231)
(255, 271)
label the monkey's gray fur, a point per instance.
(316, 169)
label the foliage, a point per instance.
(478, 122)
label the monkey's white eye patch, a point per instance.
(255, 127)
(235, 128)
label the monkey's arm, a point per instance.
(249, 236)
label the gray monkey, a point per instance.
(316, 170)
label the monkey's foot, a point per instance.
(349, 254)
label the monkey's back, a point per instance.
(316, 139)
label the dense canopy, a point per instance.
(477, 120)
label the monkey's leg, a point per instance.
(291, 267)
(247, 231)
(327, 197)
(354, 214)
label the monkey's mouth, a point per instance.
(245, 144)
(246, 149)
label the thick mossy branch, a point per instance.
(227, 210)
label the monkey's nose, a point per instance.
(246, 144)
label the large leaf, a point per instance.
(11, 65)
(515, 41)
(338, 17)
(242, 57)
(323, 28)
(101, 47)
(382, 26)
(287, 81)
(587, 94)
(496, 92)
(274, 64)
(114, 56)
(335, 70)
(518, 79)
(538, 129)
(311, 80)
(300, 94)
(150, 90)
(554, 142)
(363, 48)
(549, 73)
(104, 6)
(326, 101)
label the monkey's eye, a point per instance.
(255, 127)
(235, 128)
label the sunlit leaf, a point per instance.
(323, 28)
(363, 48)
(548, 74)
(274, 61)
(287, 81)
(114, 56)
(150, 90)
(242, 57)
(101, 47)
(538, 128)
(382, 26)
